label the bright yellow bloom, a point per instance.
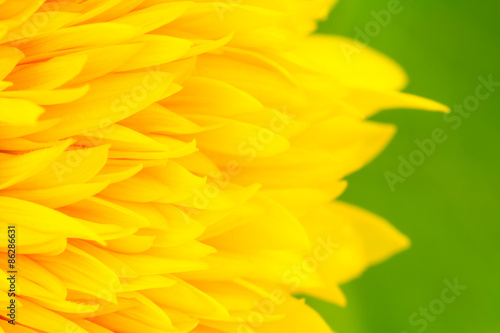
(170, 166)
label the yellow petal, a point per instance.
(375, 100)
(19, 112)
(380, 239)
(39, 318)
(41, 219)
(60, 196)
(352, 63)
(48, 75)
(16, 169)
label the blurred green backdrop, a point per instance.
(450, 206)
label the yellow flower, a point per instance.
(172, 166)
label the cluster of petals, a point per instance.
(173, 166)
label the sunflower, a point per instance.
(172, 166)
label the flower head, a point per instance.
(172, 166)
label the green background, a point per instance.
(450, 206)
